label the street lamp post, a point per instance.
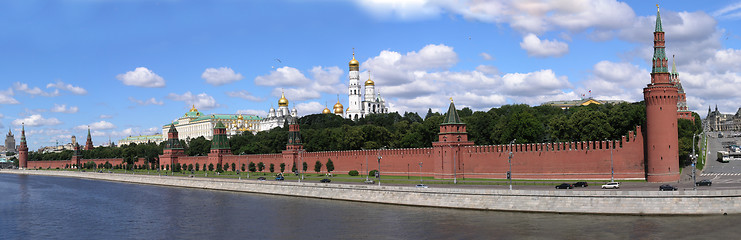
(509, 173)
(420, 172)
(378, 173)
(612, 166)
(694, 162)
(407, 171)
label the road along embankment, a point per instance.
(563, 201)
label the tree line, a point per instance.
(519, 122)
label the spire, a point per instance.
(23, 134)
(452, 116)
(658, 20)
(674, 65)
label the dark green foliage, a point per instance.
(226, 167)
(243, 167)
(353, 173)
(330, 165)
(190, 167)
(260, 166)
(318, 166)
(685, 131)
(282, 167)
(272, 167)
(211, 167)
(252, 167)
(199, 146)
(372, 173)
(198, 167)
(234, 167)
(219, 168)
(305, 166)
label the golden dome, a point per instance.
(282, 102)
(240, 117)
(369, 82)
(354, 62)
(193, 109)
(338, 107)
(326, 111)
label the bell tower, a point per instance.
(662, 145)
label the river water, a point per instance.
(42, 207)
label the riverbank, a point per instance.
(706, 202)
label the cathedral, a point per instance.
(277, 118)
(361, 103)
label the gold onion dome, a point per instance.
(193, 109)
(369, 82)
(326, 111)
(282, 102)
(338, 107)
(354, 62)
(240, 117)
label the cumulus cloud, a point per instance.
(36, 120)
(201, 101)
(6, 97)
(141, 77)
(406, 10)
(244, 94)
(220, 76)
(260, 113)
(151, 101)
(63, 108)
(101, 125)
(34, 91)
(391, 68)
(104, 116)
(67, 87)
(486, 56)
(285, 76)
(616, 80)
(296, 94)
(308, 108)
(543, 48)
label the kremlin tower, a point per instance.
(23, 150)
(89, 142)
(661, 95)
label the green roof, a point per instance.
(452, 116)
(221, 117)
(144, 137)
(658, 21)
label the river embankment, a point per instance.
(705, 202)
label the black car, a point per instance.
(581, 184)
(667, 187)
(704, 182)
(565, 186)
(326, 180)
(261, 179)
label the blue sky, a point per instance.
(126, 67)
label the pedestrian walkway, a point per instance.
(720, 174)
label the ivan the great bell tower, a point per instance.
(662, 145)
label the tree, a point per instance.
(282, 167)
(219, 168)
(252, 167)
(199, 146)
(226, 167)
(243, 167)
(234, 167)
(198, 167)
(318, 166)
(330, 165)
(305, 167)
(272, 168)
(211, 167)
(260, 166)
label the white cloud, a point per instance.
(101, 125)
(220, 76)
(285, 76)
(406, 10)
(6, 97)
(151, 101)
(542, 82)
(731, 11)
(141, 77)
(543, 48)
(244, 94)
(36, 120)
(612, 80)
(486, 56)
(309, 108)
(1, 116)
(23, 87)
(296, 94)
(104, 116)
(201, 101)
(67, 87)
(391, 68)
(63, 108)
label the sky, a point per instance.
(127, 67)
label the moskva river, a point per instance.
(41, 207)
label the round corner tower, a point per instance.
(23, 150)
(662, 145)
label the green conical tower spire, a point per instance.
(658, 20)
(452, 116)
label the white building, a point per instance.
(362, 103)
(142, 139)
(194, 124)
(277, 118)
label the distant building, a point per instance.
(361, 102)
(10, 142)
(566, 104)
(682, 111)
(276, 118)
(142, 139)
(195, 124)
(717, 121)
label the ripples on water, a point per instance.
(41, 207)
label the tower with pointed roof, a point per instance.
(682, 111)
(23, 150)
(89, 141)
(219, 144)
(10, 142)
(661, 95)
(172, 150)
(361, 103)
(451, 139)
(294, 147)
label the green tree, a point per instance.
(272, 168)
(252, 167)
(243, 167)
(330, 165)
(318, 166)
(305, 166)
(211, 167)
(199, 146)
(260, 166)
(282, 167)
(198, 168)
(226, 167)
(219, 168)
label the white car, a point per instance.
(611, 185)
(421, 186)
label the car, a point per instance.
(279, 178)
(368, 181)
(704, 182)
(611, 185)
(667, 187)
(581, 184)
(261, 179)
(421, 186)
(564, 186)
(326, 180)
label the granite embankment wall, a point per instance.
(592, 202)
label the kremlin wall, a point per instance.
(650, 154)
